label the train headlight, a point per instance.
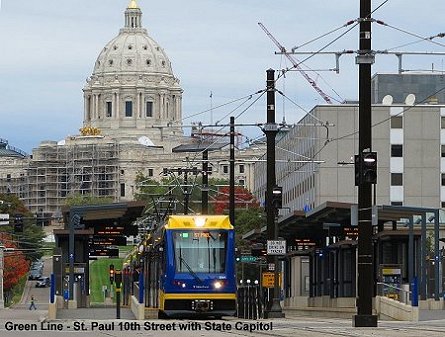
(200, 221)
(218, 284)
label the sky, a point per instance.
(48, 49)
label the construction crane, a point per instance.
(296, 65)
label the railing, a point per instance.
(393, 292)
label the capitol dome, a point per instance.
(133, 50)
(132, 91)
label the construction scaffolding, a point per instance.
(77, 168)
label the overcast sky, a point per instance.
(48, 49)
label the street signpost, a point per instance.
(276, 247)
(248, 258)
(4, 219)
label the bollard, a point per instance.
(414, 292)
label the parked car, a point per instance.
(43, 282)
(34, 274)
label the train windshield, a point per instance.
(200, 251)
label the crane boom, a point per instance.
(296, 65)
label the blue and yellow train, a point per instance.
(191, 266)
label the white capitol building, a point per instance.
(132, 121)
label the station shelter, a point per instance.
(97, 233)
(320, 267)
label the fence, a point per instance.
(251, 301)
(399, 294)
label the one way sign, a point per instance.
(276, 247)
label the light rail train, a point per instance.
(191, 266)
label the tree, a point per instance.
(32, 236)
(15, 263)
(78, 199)
(243, 199)
(148, 189)
(245, 221)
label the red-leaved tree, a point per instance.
(243, 199)
(15, 264)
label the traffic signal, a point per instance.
(365, 165)
(18, 223)
(369, 167)
(118, 278)
(357, 169)
(112, 273)
(277, 197)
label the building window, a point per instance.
(396, 203)
(443, 179)
(442, 204)
(396, 122)
(241, 182)
(225, 169)
(442, 122)
(149, 109)
(396, 179)
(442, 148)
(241, 168)
(150, 172)
(122, 190)
(109, 108)
(396, 150)
(128, 108)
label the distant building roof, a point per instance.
(427, 88)
(10, 151)
(198, 147)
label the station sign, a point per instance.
(303, 244)
(276, 247)
(99, 240)
(268, 279)
(104, 251)
(108, 230)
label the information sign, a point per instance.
(276, 247)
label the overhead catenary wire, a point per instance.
(220, 106)
(427, 39)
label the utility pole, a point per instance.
(232, 172)
(2, 259)
(274, 309)
(205, 182)
(365, 59)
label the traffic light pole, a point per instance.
(270, 129)
(365, 58)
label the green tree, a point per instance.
(245, 221)
(149, 189)
(78, 199)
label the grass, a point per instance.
(99, 276)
